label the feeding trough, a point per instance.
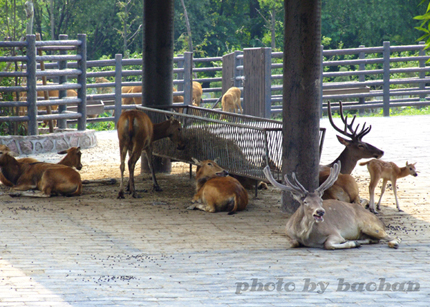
(243, 144)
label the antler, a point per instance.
(295, 188)
(334, 173)
(353, 133)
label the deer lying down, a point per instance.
(216, 191)
(387, 171)
(72, 159)
(49, 179)
(329, 224)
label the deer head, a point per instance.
(355, 149)
(310, 201)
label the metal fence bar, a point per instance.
(82, 79)
(62, 65)
(31, 85)
(386, 86)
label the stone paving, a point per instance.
(119, 253)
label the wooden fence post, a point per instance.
(118, 86)
(238, 70)
(361, 78)
(228, 67)
(386, 86)
(188, 77)
(82, 80)
(257, 86)
(31, 85)
(180, 74)
(62, 123)
(422, 74)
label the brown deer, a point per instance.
(387, 171)
(136, 133)
(197, 94)
(346, 188)
(216, 191)
(230, 101)
(72, 159)
(48, 178)
(355, 148)
(329, 224)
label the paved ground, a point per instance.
(95, 250)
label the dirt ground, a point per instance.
(102, 162)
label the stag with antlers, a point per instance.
(355, 148)
(329, 224)
(345, 188)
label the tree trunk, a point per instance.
(273, 23)
(301, 112)
(187, 22)
(52, 19)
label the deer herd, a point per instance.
(331, 217)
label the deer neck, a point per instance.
(347, 160)
(160, 130)
(402, 172)
(302, 224)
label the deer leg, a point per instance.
(336, 242)
(372, 185)
(375, 230)
(123, 154)
(384, 184)
(151, 167)
(395, 195)
(293, 243)
(131, 166)
(30, 193)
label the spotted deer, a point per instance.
(388, 171)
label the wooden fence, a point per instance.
(256, 71)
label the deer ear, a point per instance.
(63, 152)
(343, 141)
(216, 159)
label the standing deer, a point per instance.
(136, 133)
(346, 188)
(387, 171)
(230, 101)
(329, 224)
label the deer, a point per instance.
(216, 191)
(346, 188)
(197, 94)
(230, 101)
(48, 178)
(329, 224)
(388, 171)
(72, 158)
(136, 133)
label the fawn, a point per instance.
(387, 171)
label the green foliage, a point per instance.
(369, 22)
(102, 126)
(425, 22)
(218, 26)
